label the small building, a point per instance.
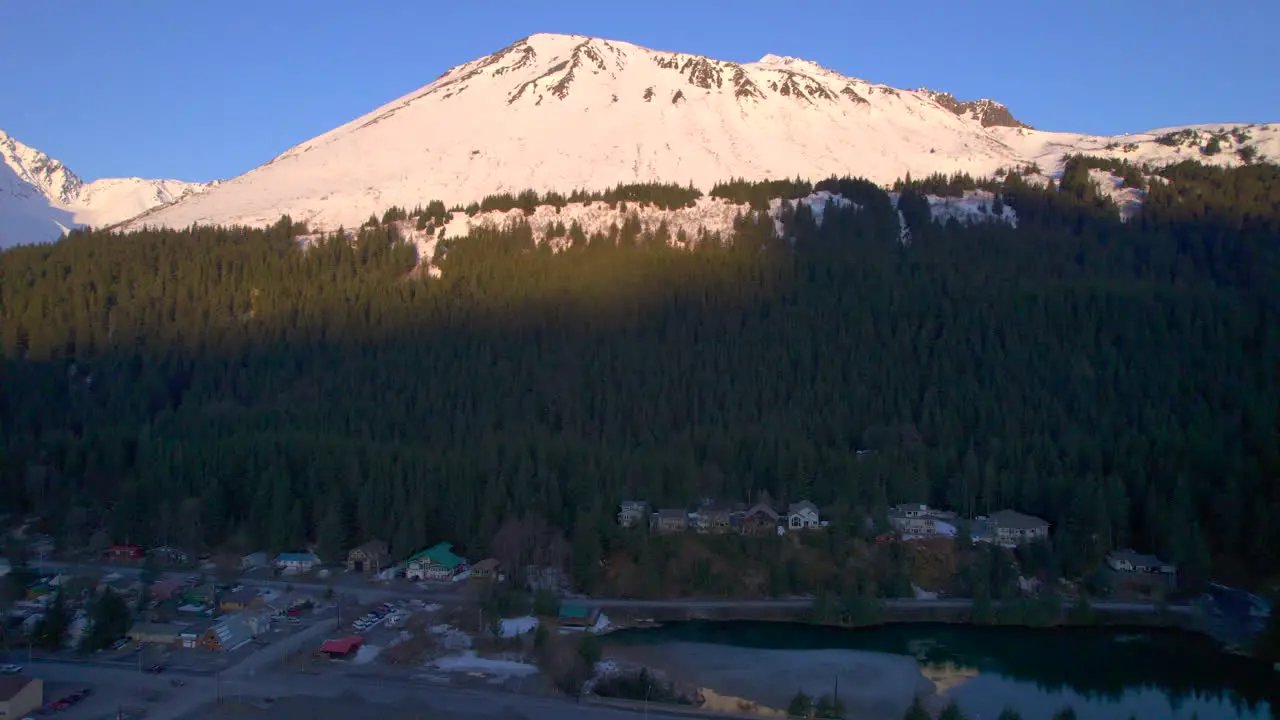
(759, 520)
(632, 513)
(488, 569)
(170, 555)
(803, 516)
(714, 519)
(228, 634)
(343, 647)
(125, 552)
(369, 558)
(157, 633)
(578, 616)
(166, 589)
(1135, 562)
(297, 563)
(920, 520)
(1011, 527)
(670, 520)
(245, 598)
(437, 562)
(256, 560)
(200, 594)
(20, 695)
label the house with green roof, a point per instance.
(438, 563)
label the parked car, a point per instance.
(155, 669)
(10, 669)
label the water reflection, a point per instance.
(1141, 673)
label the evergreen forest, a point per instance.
(228, 387)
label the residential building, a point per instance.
(369, 558)
(228, 633)
(803, 515)
(670, 520)
(1135, 562)
(713, 519)
(20, 696)
(125, 552)
(252, 561)
(759, 520)
(438, 563)
(166, 589)
(244, 598)
(170, 555)
(157, 633)
(296, 563)
(200, 595)
(633, 513)
(1011, 527)
(488, 569)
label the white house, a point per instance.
(294, 563)
(803, 516)
(1130, 561)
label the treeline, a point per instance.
(213, 386)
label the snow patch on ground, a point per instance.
(514, 627)
(468, 661)
(366, 654)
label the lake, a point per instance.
(1103, 673)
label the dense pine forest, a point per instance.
(225, 386)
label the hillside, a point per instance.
(40, 198)
(559, 112)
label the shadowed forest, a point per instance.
(224, 387)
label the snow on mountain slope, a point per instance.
(564, 112)
(40, 198)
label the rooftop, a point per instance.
(11, 685)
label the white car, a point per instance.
(10, 669)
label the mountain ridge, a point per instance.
(41, 198)
(562, 112)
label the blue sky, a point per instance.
(208, 89)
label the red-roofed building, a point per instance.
(342, 648)
(125, 552)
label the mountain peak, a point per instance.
(562, 112)
(40, 198)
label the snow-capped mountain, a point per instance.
(565, 111)
(40, 198)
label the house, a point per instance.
(632, 512)
(344, 647)
(670, 520)
(241, 599)
(20, 695)
(713, 519)
(759, 520)
(166, 589)
(578, 616)
(437, 562)
(803, 516)
(228, 634)
(200, 595)
(297, 563)
(1011, 527)
(488, 569)
(1131, 561)
(913, 520)
(125, 552)
(369, 558)
(256, 560)
(157, 633)
(170, 555)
